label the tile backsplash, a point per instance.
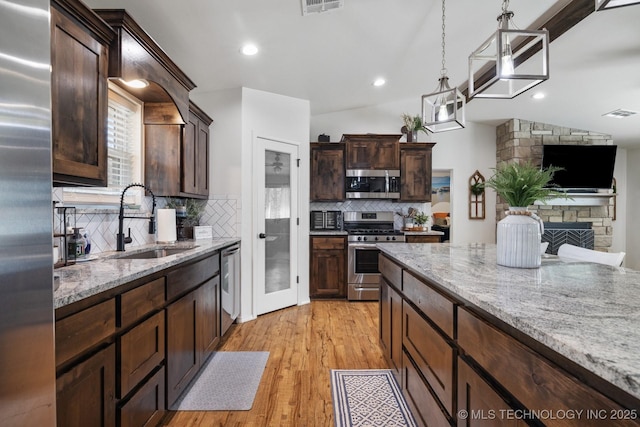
(101, 225)
(373, 205)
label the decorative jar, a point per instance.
(518, 239)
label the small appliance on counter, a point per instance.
(326, 220)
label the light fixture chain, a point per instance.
(444, 70)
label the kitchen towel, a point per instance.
(167, 226)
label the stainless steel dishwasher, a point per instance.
(230, 271)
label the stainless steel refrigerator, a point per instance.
(27, 361)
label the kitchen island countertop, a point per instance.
(585, 312)
(106, 271)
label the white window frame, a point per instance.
(110, 196)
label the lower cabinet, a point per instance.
(422, 239)
(391, 326)
(480, 402)
(86, 394)
(182, 353)
(328, 275)
(208, 318)
(424, 405)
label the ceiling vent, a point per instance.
(620, 113)
(318, 6)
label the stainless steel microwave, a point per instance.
(326, 220)
(372, 184)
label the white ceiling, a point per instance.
(332, 58)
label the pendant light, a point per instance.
(444, 109)
(611, 4)
(509, 62)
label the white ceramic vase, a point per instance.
(518, 239)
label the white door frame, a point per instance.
(284, 298)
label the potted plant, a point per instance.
(519, 233)
(188, 215)
(477, 188)
(412, 124)
(421, 219)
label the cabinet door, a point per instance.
(480, 402)
(208, 327)
(328, 267)
(372, 154)
(79, 104)
(85, 395)
(182, 354)
(162, 159)
(327, 172)
(147, 406)
(195, 158)
(415, 172)
(422, 239)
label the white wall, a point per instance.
(463, 151)
(632, 259)
(240, 115)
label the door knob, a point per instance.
(262, 236)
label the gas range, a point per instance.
(371, 227)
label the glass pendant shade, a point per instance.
(611, 4)
(509, 62)
(443, 110)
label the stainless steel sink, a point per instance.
(155, 253)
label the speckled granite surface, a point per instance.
(328, 233)
(89, 278)
(587, 312)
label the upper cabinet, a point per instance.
(415, 172)
(79, 62)
(195, 153)
(327, 172)
(372, 151)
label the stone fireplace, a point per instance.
(521, 141)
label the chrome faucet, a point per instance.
(121, 240)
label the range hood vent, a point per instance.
(317, 6)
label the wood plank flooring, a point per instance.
(305, 343)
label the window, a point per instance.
(124, 158)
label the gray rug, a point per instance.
(369, 397)
(228, 382)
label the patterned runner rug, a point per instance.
(369, 397)
(228, 382)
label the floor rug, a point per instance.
(369, 397)
(228, 382)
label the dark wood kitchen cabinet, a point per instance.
(416, 238)
(327, 172)
(391, 327)
(372, 151)
(195, 154)
(415, 172)
(85, 395)
(79, 97)
(176, 154)
(328, 260)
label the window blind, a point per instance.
(120, 134)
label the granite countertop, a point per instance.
(586, 312)
(105, 271)
(423, 233)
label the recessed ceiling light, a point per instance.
(379, 81)
(538, 95)
(620, 113)
(249, 49)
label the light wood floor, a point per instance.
(305, 343)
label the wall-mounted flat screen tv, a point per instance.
(584, 167)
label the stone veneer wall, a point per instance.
(521, 140)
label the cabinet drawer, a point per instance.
(190, 276)
(141, 350)
(80, 331)
(328, 243)
(529, 377)
(391, 271)
(423, 405)
(431, 354)
(434, 305)
(138, 302)
(147, 406)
